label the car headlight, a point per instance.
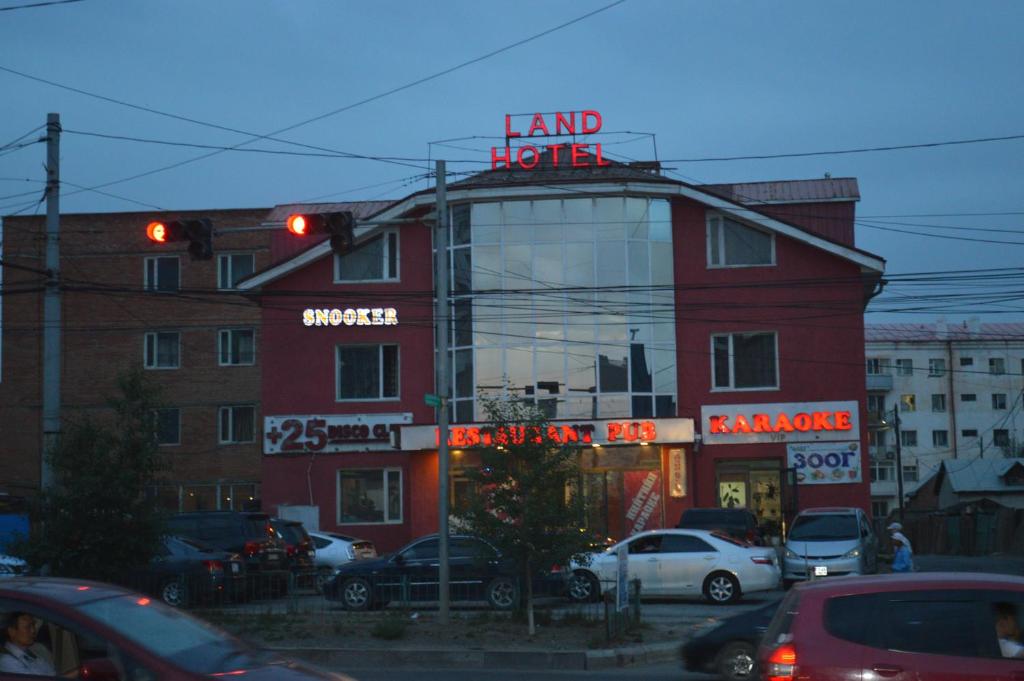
(852, 553)
(790, 553)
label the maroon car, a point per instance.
(106, 633)
(900, 627)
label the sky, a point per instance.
(706, 79)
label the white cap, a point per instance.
(894, 527)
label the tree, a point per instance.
(527, 502)
(97, 521)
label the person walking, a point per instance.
(896, 532)
(901, 562)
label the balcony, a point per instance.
(880, 382)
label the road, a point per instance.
(662, 672)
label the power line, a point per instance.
(37, 4)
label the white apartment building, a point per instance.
(959, 388)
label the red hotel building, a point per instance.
(705, 344)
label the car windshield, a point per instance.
(173, 635)
(825, 527)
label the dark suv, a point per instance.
(248, 534)
(740, 523)
(298, 545)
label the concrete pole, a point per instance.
(899, 459)
(441, 322)
(51, 304)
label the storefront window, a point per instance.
(369, 496)
(532, 282)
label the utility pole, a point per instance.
(51, 304)
(899, 458)
(441, 317)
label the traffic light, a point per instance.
(339, 225)
(198, 233)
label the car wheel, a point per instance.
(503, 593)
(737, 661)
(356, 594)
(583, 587)
(173, 593)
(323, 575)
(721, 587)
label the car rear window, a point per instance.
(825, 527)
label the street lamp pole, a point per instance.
(899, 458)
(441, 329)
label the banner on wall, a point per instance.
(825, 463)
(642, 496)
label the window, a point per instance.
(876, 438)
(233, 267)
(996, 365)
(162, 350)
(908, 402)
(375, 260)
(732, 244)
(968, 397)
(367, 372)
(910, 472)
(876, 405)
(882, 471)
(879, 509)
(940, 438)
(371, 497)
(237, 424)
(939, 402)
(237, 347)
(878, 366)
(969, 432)
(966, 361)
(936, 367)
(168, 426)
(684, 543)
(162, 273)
(744, 361)
(1001, 437)
(905, 367)
(908, 438)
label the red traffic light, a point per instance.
(298, 225)
(157, 231)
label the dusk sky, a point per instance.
(706, 79)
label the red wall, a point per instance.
(813, 301)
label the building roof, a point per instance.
(969, 330)
(980, 475)
(788, 191)
(361, 209)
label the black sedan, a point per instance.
(477, 572)
(185, 572)
(730, 649)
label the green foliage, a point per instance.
(526, 502)
(96, 521)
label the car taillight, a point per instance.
(555, 569)
(252, 548)
(761, 560)
(213, 565)
(290, 549)
(781, 664)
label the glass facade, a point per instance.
(566, 302)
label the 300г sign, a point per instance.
(825, 463)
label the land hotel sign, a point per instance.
(563, 155)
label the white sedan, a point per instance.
(334, 550)
(681, 563)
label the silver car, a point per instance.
(829, 541)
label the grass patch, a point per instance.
(390, 628)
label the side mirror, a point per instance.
(99, 669)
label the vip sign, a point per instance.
(327, 433)
(575, 155)
(351, 316)
(779, 422)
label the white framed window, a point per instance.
(373, 260)
(162, 350)
(996, 365)
(910, 472)
(233, 267)
(879, 509)
(162, 273)
(876, 405)
(734, 244)
(908, 438)
(237, 347)
(940, 438)
(744, 361)
(904, 367)
(936, 367)
(168, 426)
(882, 471)
(939, 402)
(237, 424)
(999, 400)
(367, 372)
(369, 496)
(878, 366)
(908, 402)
